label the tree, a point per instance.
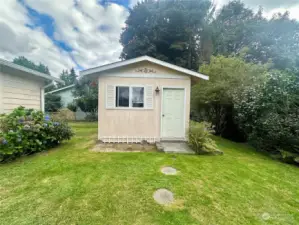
(72, 76)
(52, 102)
(69, 78)
(22, 61)
(234, 28)
(63, 76)
(168, 30)
(212, 100)
(238, 30)
(276, 40)
(86, 94)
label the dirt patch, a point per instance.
(123, 147)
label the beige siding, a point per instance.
(138, 122)
(19, 91)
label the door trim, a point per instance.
(184, 114)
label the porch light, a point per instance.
(157, 90)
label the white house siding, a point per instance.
(66, 96)
(18, 90)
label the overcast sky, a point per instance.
(79, 33)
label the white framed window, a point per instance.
(129, 97)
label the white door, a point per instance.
(173, 108)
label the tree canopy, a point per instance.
(69, 78)
(23, 61)
(237, 29)
(86, 97)
(167, 30)
(188, 33)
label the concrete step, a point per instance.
(174, 147)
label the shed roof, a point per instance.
(140, 59)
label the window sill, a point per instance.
(128, 108)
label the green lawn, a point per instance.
(71, 185)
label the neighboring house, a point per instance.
(66, 94)
(143, 99)
(20, 86)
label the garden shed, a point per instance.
(143, 99)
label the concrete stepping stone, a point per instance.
(169, 170)
(163, 196)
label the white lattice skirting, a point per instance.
(128, 139)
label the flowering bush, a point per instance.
(26, 131)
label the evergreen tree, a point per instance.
(23, 61)
(72, 76)
(69, 78)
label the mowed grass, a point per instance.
(71, 185)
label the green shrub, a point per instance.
(26, 131)
(72, 107)
(268, 112)
(200, 138)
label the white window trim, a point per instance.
(130, 96)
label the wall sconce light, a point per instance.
(157, 90)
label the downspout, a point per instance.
(42, 92)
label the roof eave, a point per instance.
(30, 71)
(139, 59)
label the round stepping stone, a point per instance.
(169, 170)
(163, 196)
(266, 216)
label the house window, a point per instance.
(131, 97)
(122, 96)
(137, 100)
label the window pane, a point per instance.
(122, 96)
(137, 97)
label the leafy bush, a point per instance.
(212, 101)
(26, 131)
(72, 107)
(200, 138)
(268, 112)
